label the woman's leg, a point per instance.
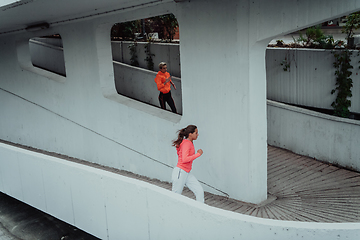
(171, 102)
(178, 178)
(162, 100)
(193, 184)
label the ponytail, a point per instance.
(183, 133)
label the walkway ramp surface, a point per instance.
(299, 189)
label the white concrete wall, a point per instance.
(223, 90)
(139, 84)
(114, 207)
(308, 82)
(324, 137)
(133, 82)
(164, 52)
(310, 78)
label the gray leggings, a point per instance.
(180, 178)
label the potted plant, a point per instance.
(352, 24)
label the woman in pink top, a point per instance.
(181, 175)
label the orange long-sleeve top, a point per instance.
(186, 153)
(160, 79)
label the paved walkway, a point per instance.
(19, 221)
(299, 189)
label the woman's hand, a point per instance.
(200, 151)
(167, 80)
(172, 83)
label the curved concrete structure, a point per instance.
(231, 81)
(81, 115)
(111, 206)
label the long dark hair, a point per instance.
(183, 133)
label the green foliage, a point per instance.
(313, 35)
(288, 61)
(169, 22)
(134, 58)
(285, 64)
(315, 38)
(353, 23)
(149, 56)
(164, 25)
(125, 30)
(279, 43)
(343, 84)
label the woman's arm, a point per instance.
(186, 149)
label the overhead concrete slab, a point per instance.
(17, 15)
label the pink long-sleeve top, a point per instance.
(186, 153)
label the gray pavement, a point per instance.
(5, 234)
(19, 221)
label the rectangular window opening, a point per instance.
(47, 54)
(137, 49)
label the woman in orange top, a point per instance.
(163, 81)
(181, 175)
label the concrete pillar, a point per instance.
(222, 49)
(224, 80)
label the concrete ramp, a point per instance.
(111, 206)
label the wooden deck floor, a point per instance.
(299, 189)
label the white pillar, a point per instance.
(224, 80)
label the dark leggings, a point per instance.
(166, 97)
